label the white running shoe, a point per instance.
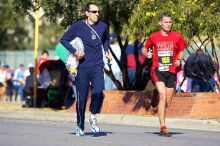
(94, 125)
(79, 132)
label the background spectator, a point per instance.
(131, 61)
(2, 81)
(44, 57)
(27, 71)
(9, 83)
(18, 82)
(200, 68)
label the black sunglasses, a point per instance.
(94, 12)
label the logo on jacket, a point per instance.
(93, 35)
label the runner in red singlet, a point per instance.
(168, 51)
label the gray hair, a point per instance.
(164, 15)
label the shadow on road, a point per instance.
(95, 134)
(158, 133)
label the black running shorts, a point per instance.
(164, 76)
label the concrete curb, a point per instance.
(50, 115)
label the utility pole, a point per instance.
(36, 45)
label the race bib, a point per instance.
(163, 68)
(165, 59)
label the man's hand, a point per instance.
(147, 53)
(180, 57)
(79, 54)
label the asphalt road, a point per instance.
(18, 132)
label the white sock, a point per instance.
(92, 116)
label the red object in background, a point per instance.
(39, 62)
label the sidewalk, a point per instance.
(14, 110)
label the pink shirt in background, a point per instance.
(187, 84)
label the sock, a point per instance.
(92, 116)
(163, 127)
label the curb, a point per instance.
(121, 119)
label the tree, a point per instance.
(191, 17)
(48, 29)
(16, 29)
(13, 36)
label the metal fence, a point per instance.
(14, 58)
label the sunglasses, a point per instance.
(94, 12)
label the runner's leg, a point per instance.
(169, 96)
(162, 103)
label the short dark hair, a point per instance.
(44, 51)
(164, 15)
(31, 70)
(87, 7)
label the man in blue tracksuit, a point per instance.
(94, 36)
